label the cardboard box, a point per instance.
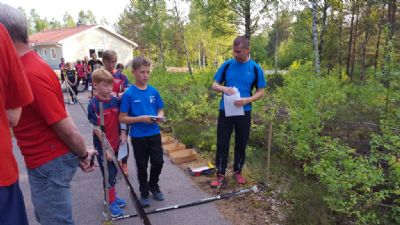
(175, 146)
(166, 139)
(182, 156)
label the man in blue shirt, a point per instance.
(142, 107)
(240, 73)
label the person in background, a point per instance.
(16, 93)
(80, 70)
(48, 139)
(72, 80)
(62, 69)
(88, 72)
(94, 63)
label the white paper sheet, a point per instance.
(123, 151)
(229, 104)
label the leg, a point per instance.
(242, 131)
(70, 93)
(156, 161)
(224, 131)
(50, 190)
(140, 150)
(112, 180)
(12, 206)
(76, 92)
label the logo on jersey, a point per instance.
(152, 99)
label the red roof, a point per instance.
(54, 36)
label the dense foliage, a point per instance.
(361, 184)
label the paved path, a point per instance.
(87, 191)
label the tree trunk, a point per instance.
(378, 42)
(350, 39)
(366, 38)
(276, 40)
(386, 66)
(353, 55)
(247, 19)
(159, 38)
(315, 36)
(323, 29)
(340, 39)
(183, 38)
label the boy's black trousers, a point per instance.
(145, 149)
(225, 127)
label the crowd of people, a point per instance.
(53, 148)
(78, 73)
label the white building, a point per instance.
(76, 42)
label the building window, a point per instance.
(91, 51)
(100, 53)
(44, 53)
(53, 53)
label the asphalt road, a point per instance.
(87, 190)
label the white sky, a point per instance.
(109, 9)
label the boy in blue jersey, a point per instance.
(141, 107)
(103, 83)
(244, 74)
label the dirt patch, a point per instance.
(262, 208)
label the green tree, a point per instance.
(55, 24)
(86, 17)
(145, 22)
(249, 14)
(39, 24)
(68, 20)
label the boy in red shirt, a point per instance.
(15, 93)
(120, 84)
(103, 82)
(80, 70)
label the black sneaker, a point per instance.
(144, 201)
(157, 194)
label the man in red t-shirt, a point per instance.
(15, 92)
(49, 140)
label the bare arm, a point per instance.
(222, 89)
(124, 118)
(257, 95)
(160, 112)
(13, 116)
(69, 134)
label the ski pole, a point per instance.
(107, 147)
(202, 201)
(105, 163)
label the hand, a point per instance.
(241, 102)
(146, 119)
(114, 94)
(159, 120)
(229, 91)
(122, 137)
(108, 156)
(85, 163)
